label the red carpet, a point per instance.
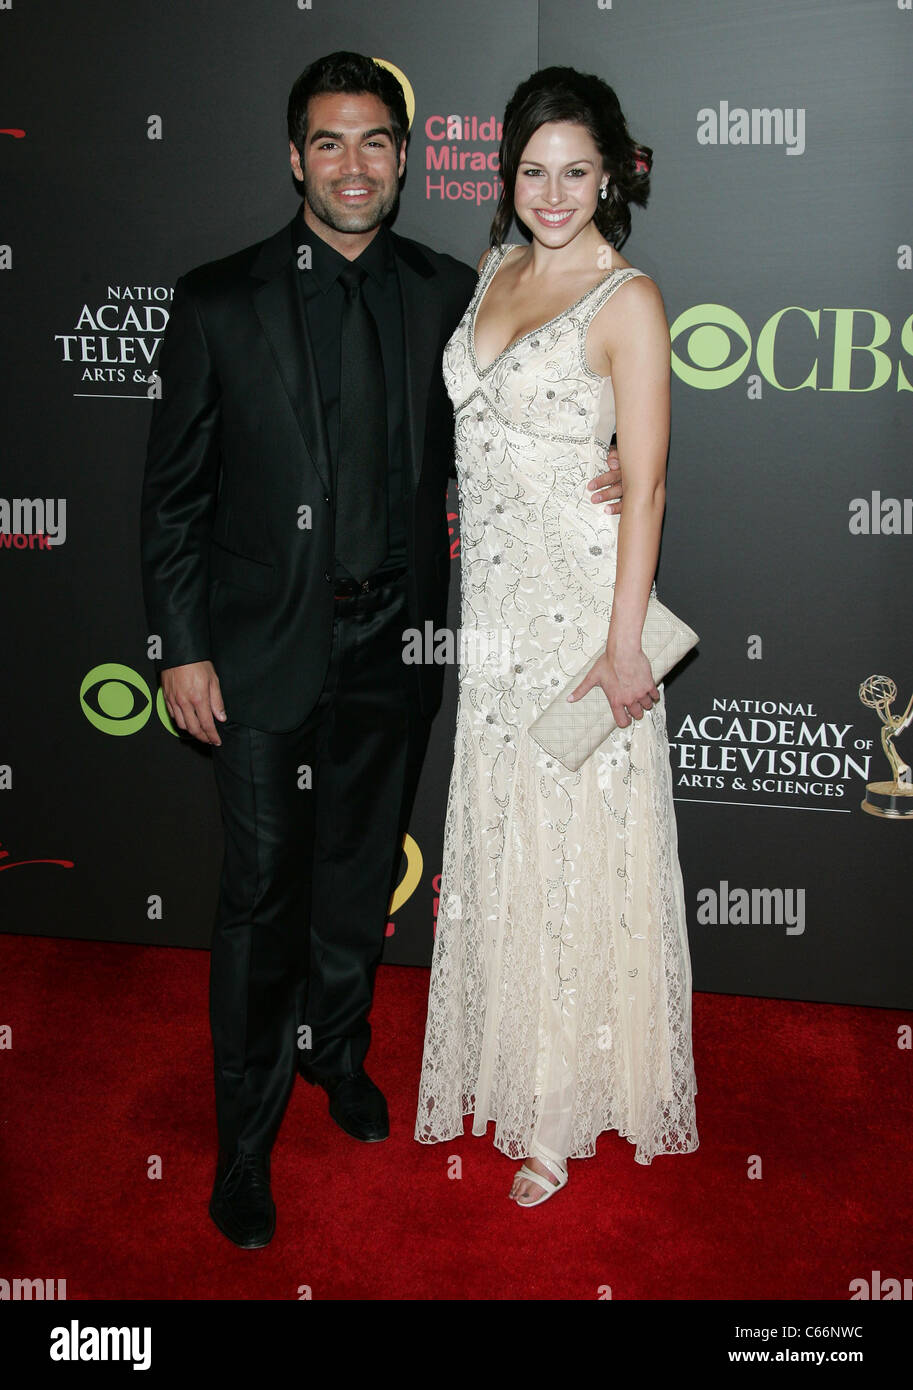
(110, 1065)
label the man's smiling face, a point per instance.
(351, 168)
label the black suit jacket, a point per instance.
(237, 518)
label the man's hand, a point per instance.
(193, 695)
(606, 487)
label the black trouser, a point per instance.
(309, 870)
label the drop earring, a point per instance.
(604, 191)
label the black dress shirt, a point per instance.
(323, 321)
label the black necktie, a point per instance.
(361, 469)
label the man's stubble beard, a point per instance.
(323, 210)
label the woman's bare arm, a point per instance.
(634, 342)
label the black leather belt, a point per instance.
(351, 588)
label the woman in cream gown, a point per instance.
(560, 999)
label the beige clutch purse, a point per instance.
(570, 733)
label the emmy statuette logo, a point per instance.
(892, 800)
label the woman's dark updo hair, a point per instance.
(564, 94)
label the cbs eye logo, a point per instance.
(712, 334)
(118, 701)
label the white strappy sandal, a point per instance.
(558, 1172)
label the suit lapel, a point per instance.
(276, 304)
(277, 307)
(421, 335)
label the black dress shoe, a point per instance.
(356, 1104)
(241, 1204)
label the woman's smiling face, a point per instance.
(558, 181)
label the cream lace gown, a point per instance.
(560, 1000)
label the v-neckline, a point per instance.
(483, 371)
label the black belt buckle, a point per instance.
(351, 588)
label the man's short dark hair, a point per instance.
(346, 72)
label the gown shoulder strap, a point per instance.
(492, 260)
(603, 293)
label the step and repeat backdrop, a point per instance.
(140, 140)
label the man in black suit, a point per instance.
(293, 526)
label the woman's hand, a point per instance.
(627, 681)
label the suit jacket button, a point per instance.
(326, 499)
(326, 575)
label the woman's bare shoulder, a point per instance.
(493, 251)
(618, 261)
(641, 288)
